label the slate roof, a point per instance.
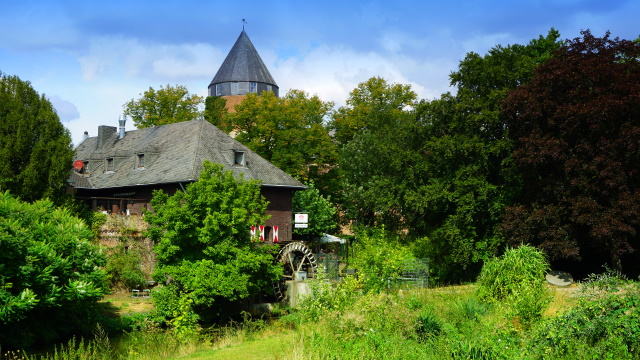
(243, 64)
(173, 153)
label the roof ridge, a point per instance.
(197, 152)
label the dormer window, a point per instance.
(109, 166)
(140, 161)
(238, 158)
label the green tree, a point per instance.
(376, 134)
(374, 105)
(215, 111)
(35, 148)
(576, 127)
(464, 176)
(323, 215)
(205, 249)
(289, 131)
(170, 104)
(50, 273)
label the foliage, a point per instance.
(35, 148)
(329, 296)
(50, 276)
(323, 215)
(576, 126)
(376, 135)
(374, 105)
(124, 268)
(463, 176)
(379, 258)
(604, 325)
(170, 104)
(204, 248)
(517, 280)
(215, 111)
(289, 132)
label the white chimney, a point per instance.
(122, 120)
(85, 136)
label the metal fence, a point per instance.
(415, 274)
(330, 264)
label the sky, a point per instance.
(91, 57)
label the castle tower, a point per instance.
(242, 72)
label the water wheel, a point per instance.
(295, 257)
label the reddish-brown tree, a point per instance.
(576, 128)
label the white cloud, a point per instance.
(158, 62)
(333, 72)
(65, 109)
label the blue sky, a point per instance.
(91, 57)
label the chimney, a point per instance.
(85, 136)
(105, 134)
(122, 120)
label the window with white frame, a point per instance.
(218, 89)
(234, 88)
(253, 87)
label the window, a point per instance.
(218, 89)
(269, 88)
(234, 88)
(140, 161)
(238, 158)
(85, 167)
(253, 87)
(109, 164)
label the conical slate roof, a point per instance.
(243, 64)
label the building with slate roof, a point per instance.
(118, 171)
(242, 72)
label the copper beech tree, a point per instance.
(576, 128)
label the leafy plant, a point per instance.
(604, 324)
(517, 280)
(124, 268)
(379, 257)
(204, 248)
(50, 273)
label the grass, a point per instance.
(440, 323)
(270, 345)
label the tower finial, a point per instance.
(243, 23)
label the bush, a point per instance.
(124, 268)
(605, 324)
(50, 273)
(517, 280)
(379, 257)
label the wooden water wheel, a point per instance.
(295, 257)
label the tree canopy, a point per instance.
(35, 148)
(289, 131)
(170, 104)
(323, 214)
(50, 273)
(205, 249)
(576, 127)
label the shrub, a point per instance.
(124, 268)
(379, 257)
(604, 324)
(50, 273)
(517, 280)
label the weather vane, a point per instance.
(243, 23)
